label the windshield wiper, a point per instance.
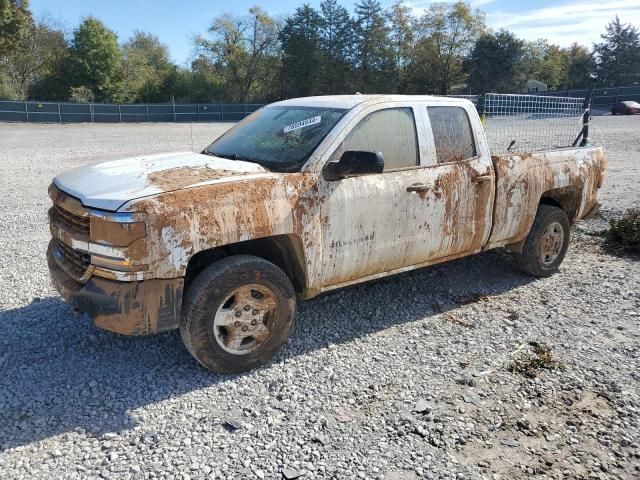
(228, 156)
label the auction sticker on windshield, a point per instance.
(302, 124)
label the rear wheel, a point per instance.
(546, 245)
(237, 313)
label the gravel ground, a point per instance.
(408, 377)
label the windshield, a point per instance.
(278, 138)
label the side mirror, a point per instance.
(353, 163)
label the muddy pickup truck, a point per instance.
(302, 197)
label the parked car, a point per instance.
(304, 196)
(625, 108)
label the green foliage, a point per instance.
(245, 52)
(257, 58)
(146, 67)
(453, 30)
(544, 62)
(36, 54)
(494, 62)
(373, 55)
(302, 56)
(337, 40)
(96, 59)
(579, 67)
(618, 55)
(625, 231)
(15, 18)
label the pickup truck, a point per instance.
(302, 197)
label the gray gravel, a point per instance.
(403, 378)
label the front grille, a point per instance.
(75, 263)
(70, 221)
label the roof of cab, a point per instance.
(350, 101)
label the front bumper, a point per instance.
(129, 308)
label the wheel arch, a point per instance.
(567, 198)
(285, 251)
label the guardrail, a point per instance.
(62, 112)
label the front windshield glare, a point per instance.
(279, 138)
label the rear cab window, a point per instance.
(452, 134)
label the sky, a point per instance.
(176, 22)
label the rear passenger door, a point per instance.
(460, 180)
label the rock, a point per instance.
(422, 406)
(290, 474)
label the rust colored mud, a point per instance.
(181, 177)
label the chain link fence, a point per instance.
(530, 123)
(61, 112)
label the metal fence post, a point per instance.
(119, 114)
(91, 111)
(147, 112)
(26, 110)
(245, 110)
(59, 114)
(221, 113)
(173, 105)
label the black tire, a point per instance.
(532, 260)
(204, 299)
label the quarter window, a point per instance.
(391, 131)
(452, 134)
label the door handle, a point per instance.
(481, 178)
(418, 187)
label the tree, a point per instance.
(422, 75)
(453, 29)
(145, 68)
(402, 40)
(618, 56)
(494, 63)
(246, 51)
(337, 39)
(96, 60)
(37, 53)
(544, 62)
(374, 56)
(579, 67)
(15, 17)
(301, 62)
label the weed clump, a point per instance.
(625, 232)
(531, 363)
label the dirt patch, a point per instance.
(181, 177)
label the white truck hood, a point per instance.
(109, 185)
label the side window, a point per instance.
(452, 134)
(391, 131)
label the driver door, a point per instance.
(376, 222)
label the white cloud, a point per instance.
(569, 21)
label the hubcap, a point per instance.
(242, 323)
(551, 244)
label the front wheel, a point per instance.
(546, 245)
(237, 314)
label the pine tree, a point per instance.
(618, 56)
(337, 38)
(301, 62)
